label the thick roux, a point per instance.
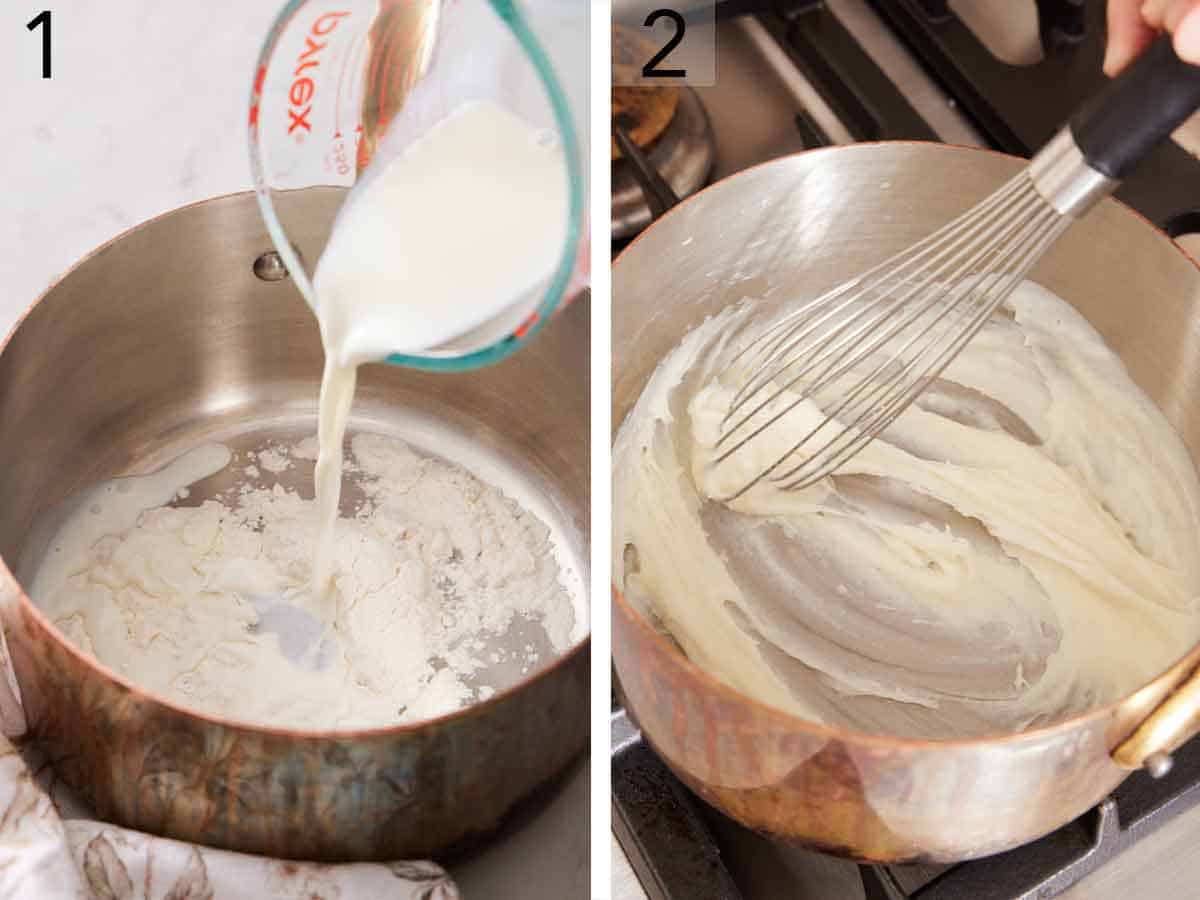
(1018, 547)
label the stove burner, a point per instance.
(644, 113)
(683, 155)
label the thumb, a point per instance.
(1187, 36)
(1128, 34)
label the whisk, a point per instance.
(865, 350)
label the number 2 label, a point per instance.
(650, 69)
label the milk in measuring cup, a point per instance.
(465, 224)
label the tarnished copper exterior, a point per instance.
(390, 793)
(861, 796)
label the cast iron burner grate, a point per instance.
(669, 836)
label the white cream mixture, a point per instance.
(463, 224)
(1019, 546)
(449, 590)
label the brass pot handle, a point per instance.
(1170, 724)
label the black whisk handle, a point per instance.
(1117, 127)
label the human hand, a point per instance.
(1133, 25)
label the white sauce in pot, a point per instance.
(1018, 547)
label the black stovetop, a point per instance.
(674, 840)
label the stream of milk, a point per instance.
(464, 224)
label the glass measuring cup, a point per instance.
(334, 79)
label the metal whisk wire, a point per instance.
(916, 310)
(904, 320)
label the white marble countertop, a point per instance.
(145, 112)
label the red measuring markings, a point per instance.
(340, 161)
(524, 327)
(259, 78)
(300, 94)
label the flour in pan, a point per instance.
(449, 590)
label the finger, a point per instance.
(1187, 36)
(1175, 11)
(1128, 34)
(1154, 13)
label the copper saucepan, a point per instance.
(816, 219)
(171, 335)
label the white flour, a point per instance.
(448, 590)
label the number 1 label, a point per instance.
(42, 21)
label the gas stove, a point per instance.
(799, 74)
